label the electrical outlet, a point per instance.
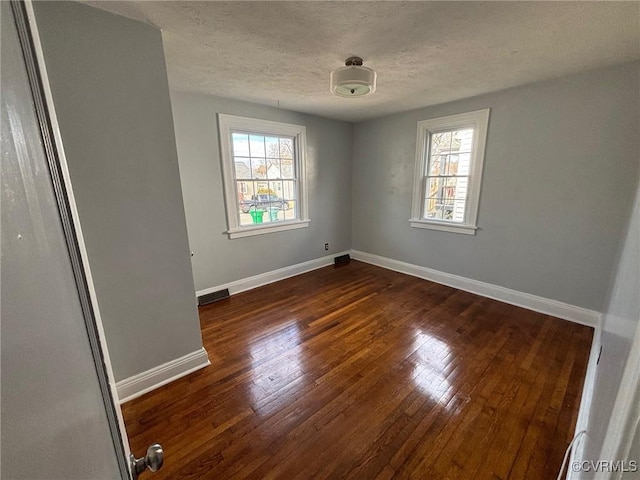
(326, 246)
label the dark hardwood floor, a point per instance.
(362, 373)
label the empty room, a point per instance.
(320, 240)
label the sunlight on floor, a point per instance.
(432, 359)
(276, 361)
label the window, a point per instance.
(449, 157)
(263, 165)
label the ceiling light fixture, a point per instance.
(353, 80)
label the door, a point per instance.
(59, 415)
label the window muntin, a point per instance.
(264, 175)
(449, 158)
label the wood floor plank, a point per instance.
(357, 372)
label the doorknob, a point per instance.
(153, 460)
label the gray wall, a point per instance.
(53, 418)
(620, 321)
(560, 172)
(219, 260)
(110, 89)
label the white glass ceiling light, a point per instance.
(353, 80)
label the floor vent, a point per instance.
(213, 297)
(342, 259)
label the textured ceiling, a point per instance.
(425, 53)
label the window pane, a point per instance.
(437, 164)
(246, 192)
(440, 143)
(243, 188)
(273, 212)
(245, 219)
(272, 146)
(273, 168)
(286, 148)
(258, 168)
(434, 187)
(458, 210)
(240, 143)
(276, 188)
(256, 146)
(461, 188)
(246, 201)
(464, 164)
(288, 169)
(432, 209)
(242, 168)
(289, 191)
(291, 212)
(452, 164)
(462, 140)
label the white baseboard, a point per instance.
(144, 382)
(273, 276)
(588, 389)
(547, 306)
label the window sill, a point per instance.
(266, 228)
(445, 227)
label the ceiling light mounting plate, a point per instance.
(353, 80)
(357, 61)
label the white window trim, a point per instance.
(479, 121)
(229, 123)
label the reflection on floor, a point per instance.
(360, 372)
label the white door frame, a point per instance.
(625, 417)
(52, 140)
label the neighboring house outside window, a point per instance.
(263, 166)
(448, 172)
